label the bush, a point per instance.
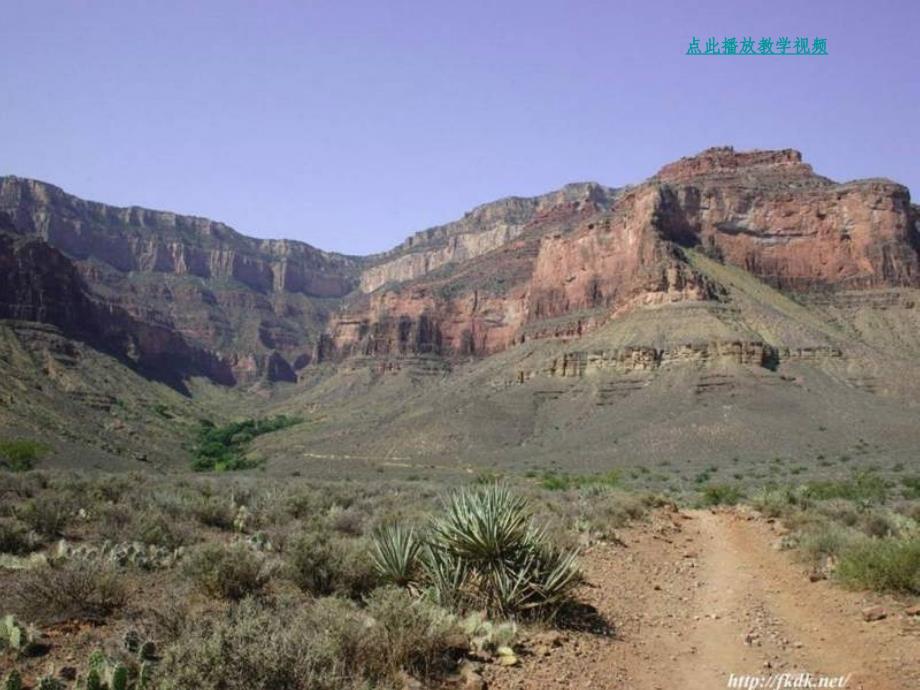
(721, 495)
(19, 455)
(46, 515)
(885, 565)
(76, 589)
(821, 541)
(774, 502)
(911, 487)
(324, 565)
(865, 487)
(15, 539)
(406, 634)
(213, 512)
(228, 572)
(327, 645)
(153, 527)
(562, 482)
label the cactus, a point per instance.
(104, 674)
(16, 636)
(93, 681)
(50, 683)
(13, 681)
(119, 677)
(132, 640)
(147, 651)
(145, 676)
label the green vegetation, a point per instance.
(223, 448)
(887, 565)
(484, 552)
(20, 455)
(865, 486)
(911, 487)
(563, 482)
(327, 644)
(721, 495)
(77, 589)
(850, 530)
(228, 572)
(322, 565)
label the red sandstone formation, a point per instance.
(517, 269)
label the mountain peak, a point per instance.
(726, 160)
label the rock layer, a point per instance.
(574, 266)
(556, 266)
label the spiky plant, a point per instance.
(13, 681)
(485, 526)
(447, 577)
(395, 554)
(486, 551)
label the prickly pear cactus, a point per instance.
(119, 678)
(148, 651)
(13, 681)
(145, 676)
(16, 636)
(93, 680)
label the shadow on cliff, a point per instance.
(38, 283)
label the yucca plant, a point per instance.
(395, 554)
(486, 551)
(447, 576)
(485, 526)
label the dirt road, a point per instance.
(698, 596)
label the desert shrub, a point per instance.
(910, 510)
(19, 455)
(153, 527)
(15, 539)
(823, 540)
(721, 495)
(322, 565)
(406, 634)
(885, 565)
(774, 501)
(348, 521)
(328, 644)
(213, 512)
(254, 647)
(878, 524)
(228, 572)
(48, 515)
(839, 510)
(562, 482)
(310, 503)
(75, 589)
(910, 487)
(485, 551)
(595, 513)
(865, 487)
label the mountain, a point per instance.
(733, 300)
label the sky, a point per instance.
(350, 124)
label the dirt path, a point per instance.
(698, 596)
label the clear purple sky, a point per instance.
(350, 124)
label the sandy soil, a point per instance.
(700, 595)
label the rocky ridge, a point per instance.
(574, 267)
(556, 266)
